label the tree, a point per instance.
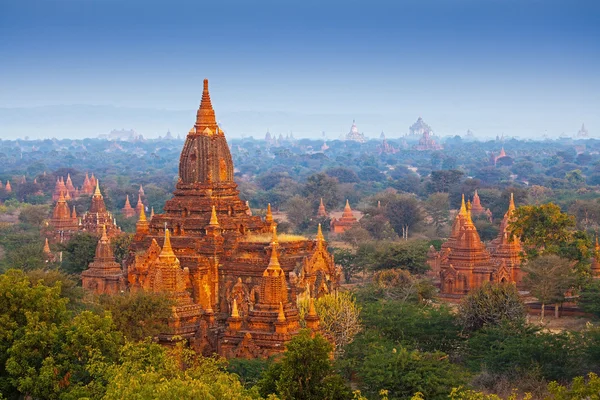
(399, 284)
(355, 236)
(580, 388)
(347, 260)
(339, 318)
(120, 246)
(410, 255)
(542, 227)
(491, 304)
(442, 181)
(139, 315)
(305, 372)
(69, 289)
(589, 298)
(403, 372)
(343, 175)
(438, 208)
(33, 215)
(404, 213)
(320, 186)
(548, 277)
(78, 253)
(298, 210)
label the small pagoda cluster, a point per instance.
(464, 262)
(234, 281)
(65, 223)
(69, 191)
(128, 211)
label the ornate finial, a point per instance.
(275, 240)
(104, 237)
(152, 213)
(234, 310)
(74, 213)
(61, 197)
(213, 217)
(281, 314)
(167, 250)
(511, 204)
(97, 191)
(46, 247)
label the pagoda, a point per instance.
(127, 210)
(59, 188)
(7, 187)
(506, 250)
(419, 128)
(213, 236)
(321, 212)
(464, 261)
(141, 191)
(62, 221)
(347, 220)
(426, 143)
(354, 135)
(104, 275)
(476, 207)
(70, 188)
(98, 217)
(88, 187)
(139, 206)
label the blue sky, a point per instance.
(522, 67)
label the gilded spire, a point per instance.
(274, 261)
(142, 215)
(47, 247)
(152, 213)
(281, 314)
(311, 308)
(511, 204)
(320, 237)
(234, 310)
(167, 250)
(463, 208)
(269, 216)
(104, 237)
(97, 191)
(74, 213)
(205, 117)
(213, 217)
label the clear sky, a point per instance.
(516, 66)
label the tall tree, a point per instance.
(438, 208)
(404, 212)
(548, 277)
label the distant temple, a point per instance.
(464, 263)
(385, 147)
(347, 221)
(98, 218)
(235, 282)
(419, 128)
(127, 210)
(583, 132)
(104, 274)
(427, 143)
(64, 223)
(321, 212)
(354, 135)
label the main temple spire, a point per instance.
(205, 117)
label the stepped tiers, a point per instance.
(224, 247)
(464, 263)
(104, 275)
(64, 223)
(347, 220)
(98, 217)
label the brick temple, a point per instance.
(234, 280)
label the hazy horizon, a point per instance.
(522, 68)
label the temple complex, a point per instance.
(104, 275)
(127, 210)
(98, 217)
(347, 220)
(464, 262)
(354, 135)
(63, 222)
(427, 143)
(220, 259)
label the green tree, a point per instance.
(542, 228)
(589, 298)
(33, 215)
(305, 372)
(491, 304)
(320, 186)
(298, 210)
(78, 253)
(347, 260)
(404, 212)
(548, 277)
(139, 315)
(438, 207)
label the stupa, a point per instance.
(347, 220)
(354, 135)
(506, 250)
(63, 224)
(127, 210)
(321, 212)
(104, 275)
(98, 216)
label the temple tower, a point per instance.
(127, 210)
(104, 275)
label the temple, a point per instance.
(419, 128)
(427, 143)
(321, 212)
(127, 210)
(64, 223)
(98, 217)
(104, 275)
(354, 135)
(347, 220)
(223, 253)
(464, 262)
